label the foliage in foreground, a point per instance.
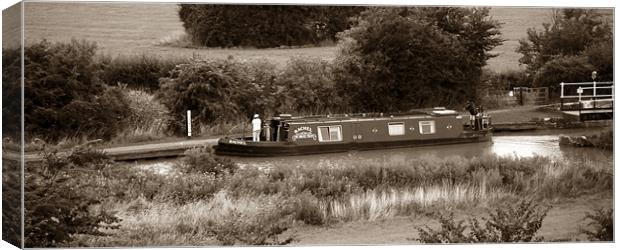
(602, 223)
(262, 226)
(11, 202)
(60, 195)
(206, 199)
(507, 223)
(201, 160)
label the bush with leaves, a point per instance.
(262, 226)
(602, 224)
(11, 202)
(309, 87)
(60, 198)
(575, 43)
(215, 91)
(140, 72)
(263, 26)
(202, 160)
(63, 96)
(397, 59)
(517, 222)
(147, 113)
(11, 93)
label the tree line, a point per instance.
(390, 59)
(263, 26)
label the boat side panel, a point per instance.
(377, 130)
(280, 149)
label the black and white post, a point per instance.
(189, 123)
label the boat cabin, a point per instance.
(288, 135)
(434, 124)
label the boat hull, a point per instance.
(234, 147)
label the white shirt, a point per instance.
(256, 124)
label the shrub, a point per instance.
(147, 113)
(11, 93)
(140, 72)
(602, 222)
(261, 226)
(101, 118)
(202, 160)
(307, 209)
(563, 69)
(309, 87)
(508, 223)
(11, 202)
(213, 90)
(450, 232)
(64, 97)
(516, 222)
(59, 199)
(604, 139)
(187, 188)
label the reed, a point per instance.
(380, 204)
(249, 205)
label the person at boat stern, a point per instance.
(256, 127)
(471, 107)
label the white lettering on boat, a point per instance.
(235, 141)
(303, 133)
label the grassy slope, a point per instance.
(562, 223)
(129, 28)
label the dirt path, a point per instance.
(562, 223)
(521, 114)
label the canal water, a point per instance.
(521, 144)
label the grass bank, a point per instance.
(209, 201)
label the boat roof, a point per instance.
(366, 116)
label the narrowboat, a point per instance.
(288, 135)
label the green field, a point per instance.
(131, 28)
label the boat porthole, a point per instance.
(374, 130)
(354, 137)
(359, 137)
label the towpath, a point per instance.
(132, 152)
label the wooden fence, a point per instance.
(517, 96)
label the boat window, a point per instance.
(427, 127)
(330, 133)
(396, 128)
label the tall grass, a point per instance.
(222, 219)
(201, 204)
(381, 204)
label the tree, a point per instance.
(11, 93)
(330, 20)
(263, 26)
(63, 95)
(259, 26)
(576, 35)
(309, 87)
(216, 91)
(396, 59)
